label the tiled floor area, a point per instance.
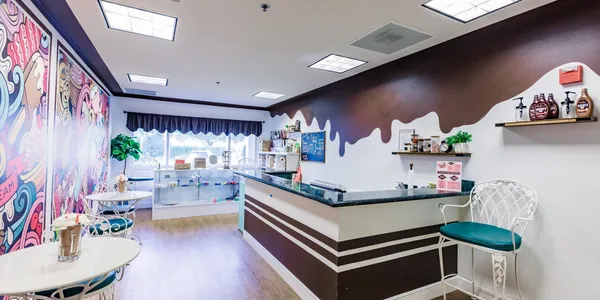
(200, 258)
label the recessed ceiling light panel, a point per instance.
(467, 10)
(337, 63)
(148, 80)
(269, 95)
(130, 19)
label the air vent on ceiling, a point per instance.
(390, 38)
(140, 92)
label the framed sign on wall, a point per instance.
(313, 146)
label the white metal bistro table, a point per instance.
(112, 200)
(37, 269)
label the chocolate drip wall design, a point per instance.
(460, 80)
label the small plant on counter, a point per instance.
(122, 147)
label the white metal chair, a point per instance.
(121, 218)
(500, 213)
(124, 210)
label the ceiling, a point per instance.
(247, 50)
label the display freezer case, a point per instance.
(188, 193)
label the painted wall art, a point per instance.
(81, 136)
(24, 73)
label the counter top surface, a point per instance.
(339, 199)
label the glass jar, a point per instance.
(407, 147)
(427, 145)
(69, 243)
(420, 145)
(435, 144)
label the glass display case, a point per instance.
(194, 188)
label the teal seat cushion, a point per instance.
(116, 225)
(482, 235)
(121, 209)
(74, 291)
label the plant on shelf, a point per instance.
(460, 141)
(123, 147)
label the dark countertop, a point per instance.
(339, 199)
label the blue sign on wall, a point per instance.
(313, 146)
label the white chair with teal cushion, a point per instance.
(101, 286)
(108, 225)
(501, 211)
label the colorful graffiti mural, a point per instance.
(81, 136)
(24, 69)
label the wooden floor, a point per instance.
(200, 258)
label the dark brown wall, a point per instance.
(460, 80)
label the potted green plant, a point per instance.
(460, 141)
(123, 147)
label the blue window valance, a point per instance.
(162, 123)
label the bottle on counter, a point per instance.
(553, 107)
(420, 145)
(585, 105)
(567, 107)
(411, 177)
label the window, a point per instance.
(240, 145)
(188, 146)
(152, 144)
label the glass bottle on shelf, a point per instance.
(553, 114)
(567, 107)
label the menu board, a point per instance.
(449, 176)
(313, 146)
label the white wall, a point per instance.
(118, 119)
(560, 255)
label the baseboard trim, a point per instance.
(303, 291)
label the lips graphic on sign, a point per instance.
(454, 178)
(442, 177)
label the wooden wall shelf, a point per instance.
(548, 122)
(433, 154)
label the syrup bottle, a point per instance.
(585, 105)
(542, 110)
(536, 101)
(553, 107)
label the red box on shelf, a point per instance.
(570, 75)
(180, 161)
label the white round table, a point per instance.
(114, 197)
(36, 268)
(111, 201)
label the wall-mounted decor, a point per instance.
(570, 75)
(313, 146)
(81, 136)
(24, 73)
(488, 66)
